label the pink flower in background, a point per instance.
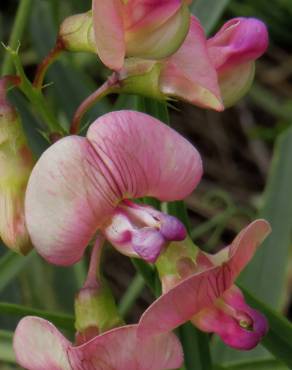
(16, 163)
(38, 345)
(189, 73)
(215, 73)
(81, 186)
(202, 290)
(149, 29)
(233, 51)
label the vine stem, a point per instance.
(21, 18)
(34, 95)
(111, 85)
(46, 63)
(93, 275)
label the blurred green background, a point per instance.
(243, 149)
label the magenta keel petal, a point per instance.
(238, 325)
(240, 40)
(148, 243)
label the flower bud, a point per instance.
(233, 51)
(95, 312)
(76, 33)
(141, 77)
(16, 162)
(119, 29)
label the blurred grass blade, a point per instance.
(209, 12)
(6, 350)
(256, 365)
(279, 338)
(196, 348)
(265, 275)
(10, 265)
(61, 320)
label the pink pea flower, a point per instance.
(81, 186)
(16, 163)
(195, 70)
(149, 29)
(39, 345)
(199, 287)
(233, 51)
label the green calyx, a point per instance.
(76, 33)
(95, 308)
(141, 77)
(168, 264)
(236, 82)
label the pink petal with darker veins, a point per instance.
(120, 348)
(40, 346)
(200, 290)
(189, 73)
(77, 183)
(109, 32)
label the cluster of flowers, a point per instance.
(82, 189)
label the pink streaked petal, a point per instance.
(77, 183)
(239, 40)
(238, 254)
(183, 301)
(148, 13)
(121, 349)
(38, 345)
(144, 156)
(66, 200)
(245, 245)
(109, 32)
(189, 73)
(228, 323)
(201, 289)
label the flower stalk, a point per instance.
(34, 95)
(110, 86)
(46, 63)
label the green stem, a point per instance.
(64, 321)
(131, 295)
(110, 86)
(21, 18)
(34, 95)
(46, 63)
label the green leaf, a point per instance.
(61, 320)
(10, 266)
(265, 275)
(209, 12)
(6, 349)
(255, 365)
(196, 348)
